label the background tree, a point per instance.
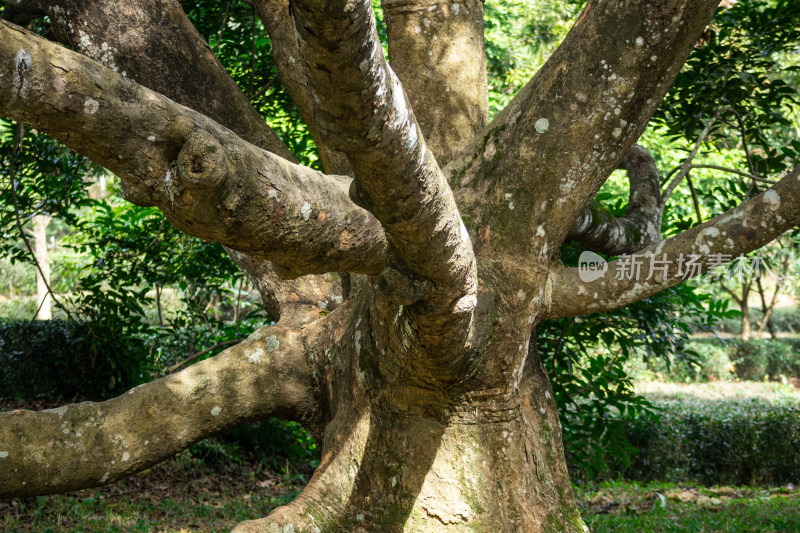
(430, 405)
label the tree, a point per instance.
(416, 372)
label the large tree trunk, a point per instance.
(406, 452)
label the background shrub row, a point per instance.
(714, 359)
(54, 360)
(715, 442)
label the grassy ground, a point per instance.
(183, 495)
(188, 493)
(667, 508)
(217, 484)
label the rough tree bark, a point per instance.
(426, 396)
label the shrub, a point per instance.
(759, 359)
(714, 359)
(787, 319)
(277, 440)
(59, 360)
(743, 442)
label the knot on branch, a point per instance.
(202, 163)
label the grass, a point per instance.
(175, 498)
(217, 484)
(622, 507)
(184, 494)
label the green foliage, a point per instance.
(586, 358)
(61, 360)
(16, 278)
(736, 70)
(740, 67)
(134, 256)
(235, 33)
(786, 320)
(38, 176)
(762, 359)
(745, 441)
(741, 80)
(711, 362)
(129, 261)
(520, 35)
(717, 359)
(277, 441)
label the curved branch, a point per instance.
(599, 230)
(686, 166)
(168, 38)
(732, 171)
(297, 301)
(277, 18)
(743, 229)
(89, 444)
(361, 109)
(208, 181)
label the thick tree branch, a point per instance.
(168, 38)
(208, 181)
(599, 230)
(294, 302)
(542, 160)
(361, 109)
(723, 238)
(437, 50)
(90, 444)
(155, 44)
(277, 19)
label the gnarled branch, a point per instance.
(601, 231)
(156, 45)
(168, 38)
(277, 19)
(361, 109)
(89, 444)
(209, 182)
(745, 228)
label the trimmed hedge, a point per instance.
(721, 360)
(715, 443)
(59, 360)
(759, 359)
